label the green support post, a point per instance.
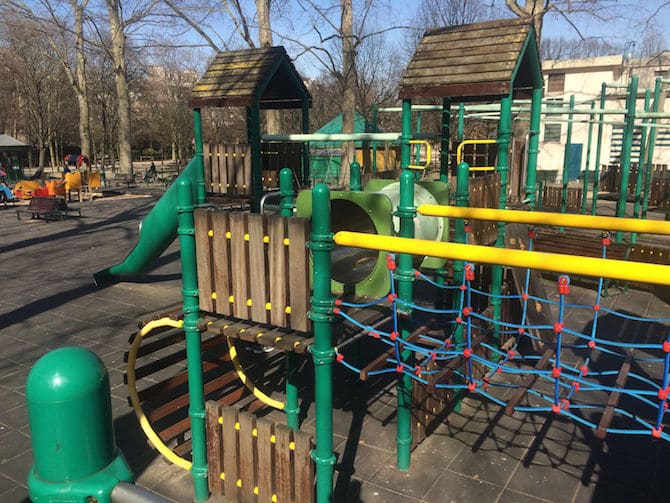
(201, 190)
(375, 114)
(566, 159)
(405, 274)
(599, 143)
(650, 149)
(445, 139)
(323, 353)
(459, 135)
(626, 148)
(305, 145)
(191, 309)
(254, 138)
(462, 200)
(504, 139)
(292, 408)
(70, 416)
(641, 165)
(585, 189)
(355, 184)
(533, 148)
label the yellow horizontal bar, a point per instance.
(459, 149)
(482, 168)
(555, 262)
(545, 218)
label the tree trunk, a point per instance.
(348, 83)
(265, 40)
(535, 9)
(81, 87)
(121, 81)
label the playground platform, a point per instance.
(479, 454)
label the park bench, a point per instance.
(127, 179)
(48, 207)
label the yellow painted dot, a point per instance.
(228, 235)
(249, 302)
(210, 233)
(285, 241)
(231, 299)
(254, 432)
(221, 420)
(256, 491)
(239, 483)
(268, 306)
(273, 439)
(244, 186)
(246, 237)
(277, 339)
(210, 323)
(223, 476)
(266, 239)
(287, 310)
(237, 426)
(274, 498)
(259, 335)
(214, 295)
(291, 446)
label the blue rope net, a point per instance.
(573, 390)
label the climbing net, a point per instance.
(589, 375)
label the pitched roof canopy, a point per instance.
(9, 143)
(474, 62)
(243, 78)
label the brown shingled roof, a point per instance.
(473, 61)
(239, 78)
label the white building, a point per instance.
(583, 78)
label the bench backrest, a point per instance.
(44, 204)
(253, 267)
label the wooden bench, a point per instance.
(48, 207)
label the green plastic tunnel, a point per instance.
(157, 231)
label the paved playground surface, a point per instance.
(48, 300)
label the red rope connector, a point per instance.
(656, 432)
(336, 310)
(390, 262)
(447, 342)
(472, 386)
(339, 357)
(463, 288)
(399, 368)
(556, 372)
(666, 346)
(417, 273)
(375, 335)
(391, 297)
(520, 330)
(433, 355)
(596, 307)
(525, 296)
(467, 352)
(583, 370)
(606, 241)
(417, 370)
(565, 403)
(499, 370)
(575, 385)
(467, 228)
(459, 319)
(394, 336)
(591, 344)
(563, 285)
(556, 408)
(486, 382)
(510, 354)
(338, 302)
(467, 311)
(469, 272)
(558, 327)
(663, 393)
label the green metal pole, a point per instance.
(292, 408)
(322, 350)
(566, 159)
(375, 114)
(189, 274)
(650, 150)
(461, 121)
(599, 143)
(254, 138)
(305, 145)
(405, 274)
(462, 200)
(589, 140)
(504, 139)
(444, 139)
(201, 190)
(533, 148)
(641, 165)
(355, 177)
(626, 147)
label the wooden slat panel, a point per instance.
(482, 76)
(476, 54)
(446, 71)
(283, 462)
(258, 268)
(221, 261)
(246, 173)
(265, 457)
(304, 471)
(239, 265)
(278, 268)
(207, 160)
(230, 454)
(298, 235)
(608, 413)
(247, 457)
(214, 444)
(204, 259)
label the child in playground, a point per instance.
(5, 192)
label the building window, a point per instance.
(556, 83)
(552, 133)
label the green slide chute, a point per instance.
(157, 231)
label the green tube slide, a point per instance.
(157, 231)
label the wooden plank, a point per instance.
(258, 269)
(239, 265)
(203, 256)
(283, 469)
(214, 174)
(478, 54)
(304, 468)
(230, 453)
(380, 361)
(207, 160)
(221, 169)
(247, 185)
(247, 457)
(528, 382)
(265, 449)
(298, 277)
(608, 413)
(446, 71)
(469, 78)
(278, 269)
(502, 39)
(214, 439)
(473, 90)
(221, 261)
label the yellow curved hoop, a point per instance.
(135, 400)
(232, 351)
(428, 154)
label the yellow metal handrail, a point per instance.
(428, 153)
(459, 153)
